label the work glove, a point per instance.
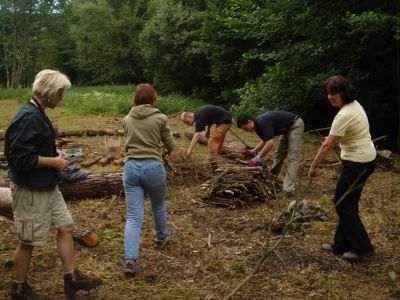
(248, 154)
(254, 161)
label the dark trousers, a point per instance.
(350, 233)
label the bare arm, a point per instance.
(326, 146)
(259, 146)
(193, 143)
(264, 147)
(207, 134)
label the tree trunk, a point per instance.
(6, 203)
(398, 90)
(230, 148)
(94, 186)
(80, 133)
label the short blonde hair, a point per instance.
(48, 82)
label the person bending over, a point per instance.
(290, 129)
(204, 117)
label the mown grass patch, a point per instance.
(106, 100)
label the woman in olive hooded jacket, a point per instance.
(146, 130)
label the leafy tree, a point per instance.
(173, 55)
(105, 34)
(283, 50)
(378, 32)
(29, 38)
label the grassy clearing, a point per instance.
(16, 94)
(188, 268)
(107, 100)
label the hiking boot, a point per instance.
(284, 194)
(160, 244)
(76, 281)
(23, 291)
(131, 268)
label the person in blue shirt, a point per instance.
(290, 129)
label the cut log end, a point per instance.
(85, 236)
(90, 239)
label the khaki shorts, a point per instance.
(36, 212)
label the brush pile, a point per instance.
(240, 187)
(182, 169)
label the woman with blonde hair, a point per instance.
(38, 205)
(146, 130)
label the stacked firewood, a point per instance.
(3, 162)
(239, 186)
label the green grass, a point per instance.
(107, 100)
(15, 94)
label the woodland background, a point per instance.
(247, 55)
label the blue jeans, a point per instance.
(141, 177)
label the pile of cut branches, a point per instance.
(240, 186)
(182, 169)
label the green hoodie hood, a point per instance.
(143, 111)
(146, 128)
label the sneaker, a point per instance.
(131, 267)
(76, 281)
(160, 244)
(354, 257)
(327, 248)
(23, 290)
(284, 194)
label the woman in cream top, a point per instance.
(350, 129)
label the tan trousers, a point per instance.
(217, 139)
(290, 147)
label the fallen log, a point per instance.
(93, 186)
(119, 162)
(230, 148)
(6, 202)
(89, 132)
(105, 160)
(90, 162)
(84, 132)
